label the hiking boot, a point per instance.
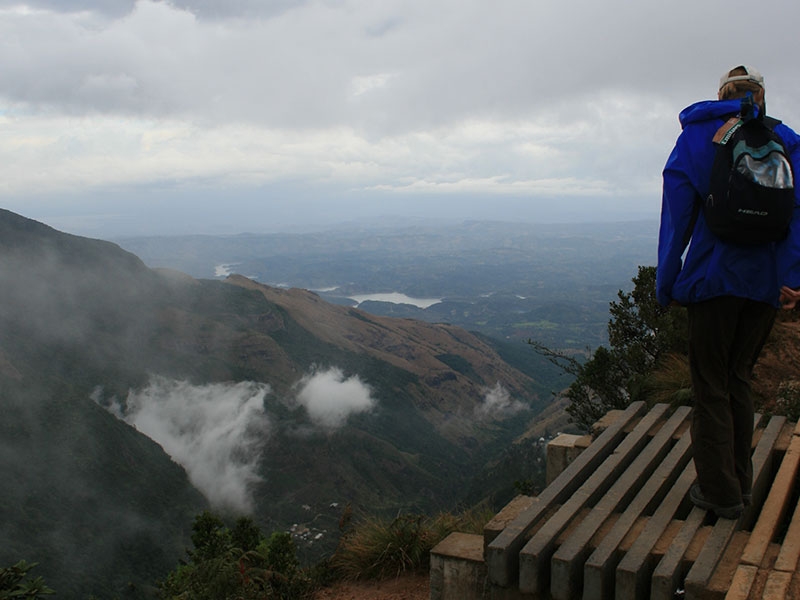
(726, 512)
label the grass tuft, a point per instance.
(382, 548)
(670, 382)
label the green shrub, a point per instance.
(237, 564)
(14, 583)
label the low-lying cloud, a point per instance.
(330, 398)
(218, 431)
(215, 431)
(498, 404)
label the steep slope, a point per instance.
(101, 507)
(84, 324)
(453, 367)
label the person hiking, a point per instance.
(731, 290)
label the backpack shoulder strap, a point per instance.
(771, 122)
(725, 133)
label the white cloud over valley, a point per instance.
(215, 431)
(218, 432)
(497, 403)
(330, 397)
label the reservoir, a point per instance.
(396, 298)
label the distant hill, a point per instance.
(341, 407)
(509, 281)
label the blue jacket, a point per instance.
(711, 267)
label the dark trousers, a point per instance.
(726, 335)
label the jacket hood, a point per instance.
(708, 110)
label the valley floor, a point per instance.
(405, 587)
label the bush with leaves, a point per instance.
(641, 333)
(238, 563)
(15, 583)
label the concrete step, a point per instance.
(458, 571)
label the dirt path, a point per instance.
(406, 587)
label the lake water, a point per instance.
(224, 270)
(396, 298)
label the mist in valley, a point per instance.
(218, 431)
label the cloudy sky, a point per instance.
(123, 117)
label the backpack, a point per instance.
(751, 193)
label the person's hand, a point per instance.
(789, 297)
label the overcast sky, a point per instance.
(222, 116)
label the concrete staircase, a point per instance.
(615, 522)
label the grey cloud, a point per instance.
(240, 9)
(343, 97)
(211, 9)
(294, 64)
(112, 8)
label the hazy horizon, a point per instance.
(145, 117)
(196, 215)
